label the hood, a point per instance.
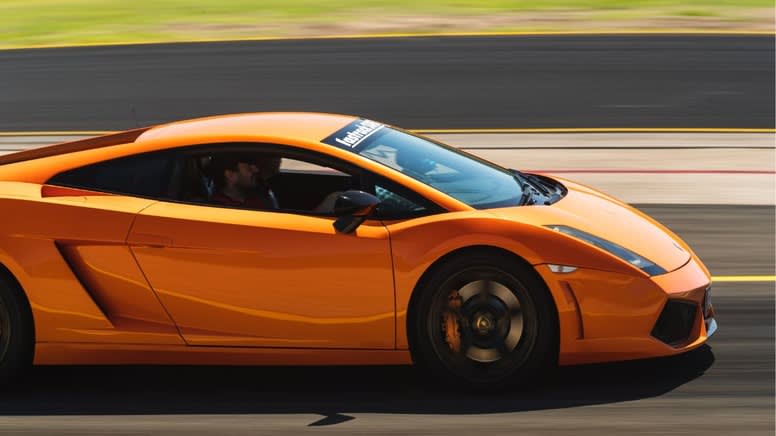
(596, 213)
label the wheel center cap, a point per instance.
(484, 324)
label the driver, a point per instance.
(241, 180)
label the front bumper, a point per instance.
(608, 316)
(676, 323)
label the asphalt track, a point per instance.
(724, 388)
(428, 83)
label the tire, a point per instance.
(16, 332)
(484, 322)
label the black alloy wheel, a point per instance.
(484, 322)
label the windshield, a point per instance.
(465, 178)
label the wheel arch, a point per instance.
(468, 251)
(9, 278)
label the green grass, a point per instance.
(47, 22)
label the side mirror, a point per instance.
(353, 208)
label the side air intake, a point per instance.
(675, 323)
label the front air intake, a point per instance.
(676, 322)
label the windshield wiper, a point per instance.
(525, 186)
(553, 192)
(542, 185)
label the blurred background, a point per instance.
(668, 105)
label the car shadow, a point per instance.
(332, 392)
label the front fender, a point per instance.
(418, 244)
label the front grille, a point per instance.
(675, 322)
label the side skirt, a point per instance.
(49, 353)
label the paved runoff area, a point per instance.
(658, 168)
(642, 168)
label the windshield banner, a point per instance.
(350, 136)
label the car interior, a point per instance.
(298, 186)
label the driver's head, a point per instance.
(268, 166)
(235, 171)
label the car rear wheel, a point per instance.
(16, 332)
(484, 322)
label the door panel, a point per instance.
(267, 279)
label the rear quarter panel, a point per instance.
(31, 227)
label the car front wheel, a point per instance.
(484, 321)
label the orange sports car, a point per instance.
(316, 239)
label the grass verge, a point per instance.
(73, 22)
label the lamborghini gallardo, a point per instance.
(365, 244)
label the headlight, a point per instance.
(623, 253)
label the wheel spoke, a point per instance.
(505, 295)
(473, 288)
(515, 330)
(489, 286)
(483, 354)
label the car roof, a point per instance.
(299, 128)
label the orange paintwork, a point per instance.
(114, 279)
(614, 322)
(268, 279)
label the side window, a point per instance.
(306, 186)
(400, 203)
(143, 175)
(288, 165)
(266, 177)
